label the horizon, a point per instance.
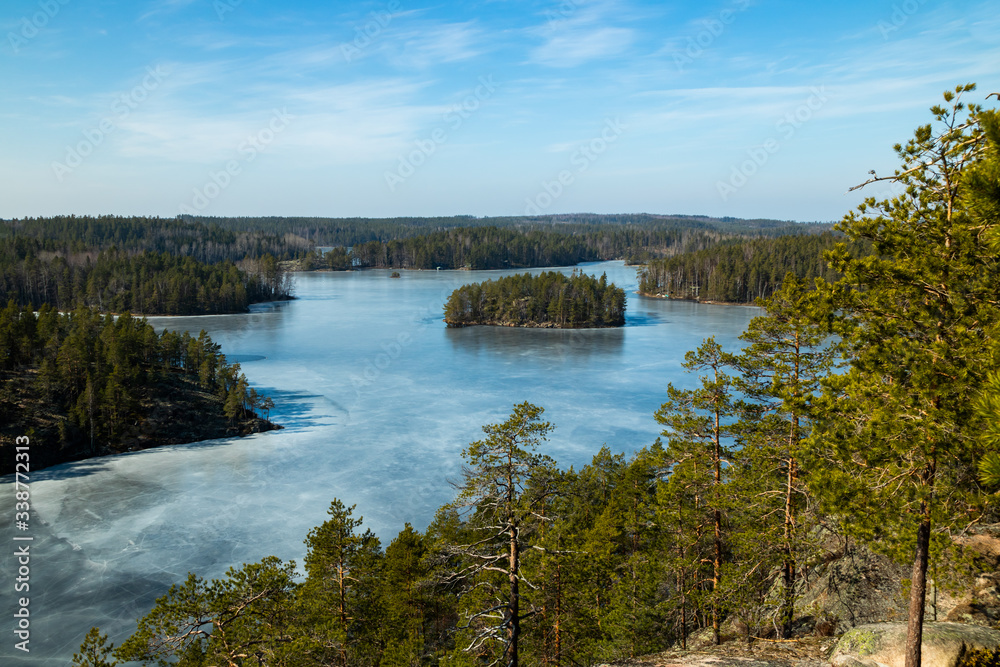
(229, 108)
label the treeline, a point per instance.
(740, 271)
(349, 232)
(549, 299)
(146, 265)
(204, 241)
(489, 247)
(90, 381)
(149, 283)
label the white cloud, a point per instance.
(579, 46)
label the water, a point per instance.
(378, 399)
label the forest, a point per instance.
(493, 247)
(740, 271)
(141, 265)
(348, 232)
(88, 384)
(862, 407)
(189, 266)
(549, 299)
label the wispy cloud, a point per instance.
(164, 7)
(432, 45)
(574, 47)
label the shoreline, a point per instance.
(532, 325)
(664, 297)
(174, 411)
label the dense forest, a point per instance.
(90, 384)
(348, 232)
(492, 247)
(549, 299)
(204, 241)
(863, 408)
(143, 265)
(740, 271)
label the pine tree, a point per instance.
(503, 491)
(700, 425)
(95, 651)
(342, 568)
(895, 451)
(781, 369)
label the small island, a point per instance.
(550, 300)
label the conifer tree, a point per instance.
(343, 568)
(699, 427)
(894, 451)
(95, 651)
(503, 491)
(781, 368)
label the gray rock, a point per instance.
(883, 644)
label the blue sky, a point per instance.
(747, 108)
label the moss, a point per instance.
(861, 642)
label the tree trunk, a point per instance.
(918, 589)
(513, 607)
(788, 556)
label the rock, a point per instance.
(883, 644)
(982, 605)
(850, 586)
(984, 541)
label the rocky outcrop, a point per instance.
(848, 587)
(883, 644)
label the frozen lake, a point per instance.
(377, 397)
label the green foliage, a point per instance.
(98, 374)
(146, 265)
(740, 270)
(549, 298)
(246, 617)
(341, 595)
(95, 651)
(989, 470)
(897, 437)
(896, 441)
(787, 356)
(700, 425)
(506, 486)
(609, 236)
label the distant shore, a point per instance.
(666, 297)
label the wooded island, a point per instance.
(550, 300)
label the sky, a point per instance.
(744, 108)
